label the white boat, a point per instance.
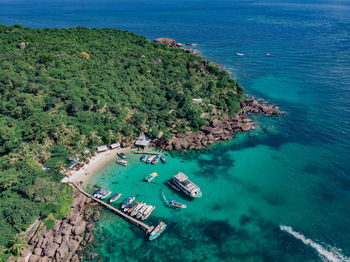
(240, 54)
(148, 212)
(105, 194)
(150, 159)
(137, 208)
(140, 213)
(180, 182)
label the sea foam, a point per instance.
(326, 253)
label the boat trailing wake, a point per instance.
(326, 253)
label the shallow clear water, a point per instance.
(294, 172)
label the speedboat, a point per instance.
(130, 206)
(150, 177)
(115, 197)
(177, 204)
(240, 54)
(150, 159)
(123, 162)
(155, 159)
(105, 194)
(157, 231)
(127, 201)
(137, 209)
(97, 192)
(121, 155)
(163, 159)
(143, 158)
(141, 211)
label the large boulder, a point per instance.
(73, 245)
(50, 249)
(44, 259)
(11, 259)
(95, 216)
(165, 40)
(217, 131)
(216, 123)
(38, 251)
(62, 253)
(74, 218)
(22, 45)
(33, 258)
(25, 251)
(75, 258)
(206, 129)
(80, 228)
(65, 228)
(21, 259)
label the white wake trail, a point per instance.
(330, 254)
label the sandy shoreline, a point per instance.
(96, 163)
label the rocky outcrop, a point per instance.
(63, 241)
(22, 45)
(221, 129)
(172, 44)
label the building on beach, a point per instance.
(102, 149)
(115, 145)
(142, 141)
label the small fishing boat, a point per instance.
(240, 54)
(121, 155)
(177, 204)
(128, 207)
(150, 159)
(105, 194)
(97, 192)
(115, 197)
(123, 162)
(137, 209)
(163, 159)
(155, 160)
(127, 201)
(141, 211)
(148, 212)
(157, 231)
(143, 158)
(150, 177)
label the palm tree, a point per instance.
(60, 165)
(17, 245)
(110, 136)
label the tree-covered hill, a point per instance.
(63, 90)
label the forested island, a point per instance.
(65, 90)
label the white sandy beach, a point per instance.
(96, 162)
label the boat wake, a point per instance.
(165, 200)
(326, 253)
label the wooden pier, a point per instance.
(148, 153)
(148, 229)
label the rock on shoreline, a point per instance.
(221, 129)
(172, 43)
(65, 241)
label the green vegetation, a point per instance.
(65, 90)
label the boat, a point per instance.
(141, 211)
(155, 159)
(180, 182)
(177, 204)
(163, 159)
(150, 177)
(240, 54)
(127, 201)
(143, 158)
(150, 159)
(115, 197)
(104, 194)
(98, 191)
(129, 206)
(157, 231)
(121, 155)
(147, 212)
(137, 209)
(123, 162)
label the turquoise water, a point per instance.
(294, 172)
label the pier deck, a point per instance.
(148, 153)
(148, 229)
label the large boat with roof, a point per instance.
(157, 231)
(180, 182)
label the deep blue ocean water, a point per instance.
(283, 195)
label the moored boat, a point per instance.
(150, 177)
(98, 191)
(143, 158)
(141, 211)
(157, 231)
(104, 194)
(155, 159)
(121, 155)
(163, 159)
(177, 204)
(129, 206)
(123, 162)
(127, 201)
(114, 197)
(148, 212)
(150, 159)
(137, 209)
(180, 182)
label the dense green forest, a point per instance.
(63, 90)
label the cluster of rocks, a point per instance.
(172, 43)
(66, 240)
(221, 129)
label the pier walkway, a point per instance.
(148, 229)
(147, 153)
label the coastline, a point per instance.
(96, 163)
